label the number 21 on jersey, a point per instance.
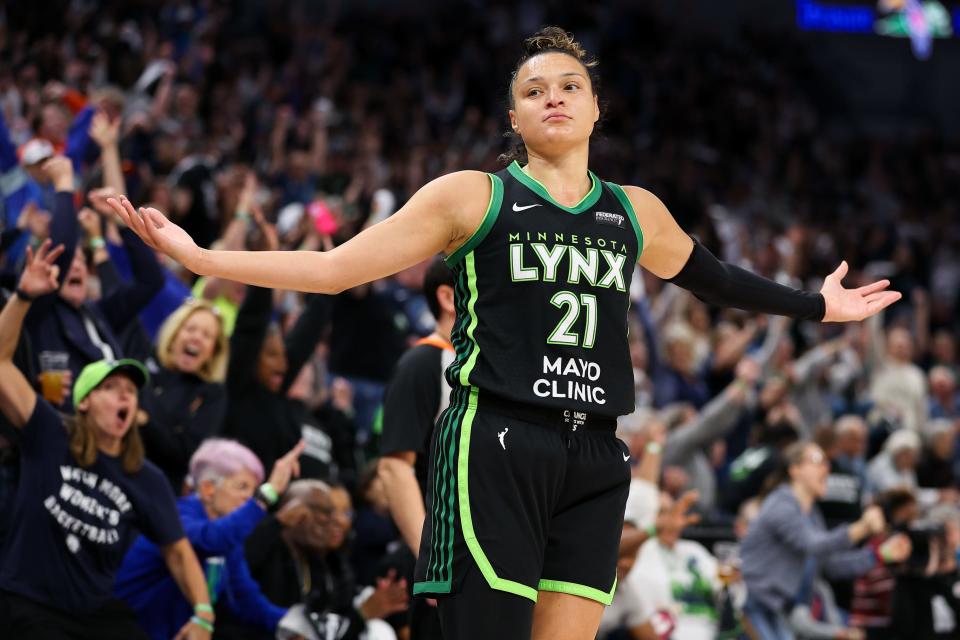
(572, 305)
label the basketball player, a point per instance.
(528, 481)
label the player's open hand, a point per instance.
(844, 305)
(158, 232)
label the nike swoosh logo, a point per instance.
(517, 207)
(626, 456)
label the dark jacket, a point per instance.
(271, 423)
(329, 589)
(913, 612)
(54, 325)
(134, 340)
(183, 411)
(368, 334)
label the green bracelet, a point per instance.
(269, 494)
(203, 624)
(243, 215)
(654, 447)
(203, 607)
(97, 243)
(886, 555)
(651, 531)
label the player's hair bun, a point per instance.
(556, 39)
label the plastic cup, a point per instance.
(53, 366)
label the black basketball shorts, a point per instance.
(533, 497)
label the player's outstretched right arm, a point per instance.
(439, 217)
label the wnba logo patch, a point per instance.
(613, 219)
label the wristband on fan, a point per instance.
(203, 607)
(203, 624)
(651, 531)
(97, 243)
(268, 494)
(23, 295)
(654, 447)
(243, 215)
(884, 554)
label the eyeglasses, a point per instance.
(321, 510)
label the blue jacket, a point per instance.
(147, 586)
(17, 188)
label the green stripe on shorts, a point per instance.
(581, 590)
(466, 519)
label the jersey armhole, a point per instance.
(493, 210)
(628, 207)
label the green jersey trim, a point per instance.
(489, 217)
(537, 187)
(471, 266)
(431, 587)
(439, 571)
(628, 207)
(581, 590)
(466, 519)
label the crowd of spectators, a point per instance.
(294, 125)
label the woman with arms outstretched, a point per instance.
(528, 481)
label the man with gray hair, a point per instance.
(848, 485)
(895, 466)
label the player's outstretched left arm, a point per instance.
(671, 254)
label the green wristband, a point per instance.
(651, 531)
(97, 243)
(243, 215)
(654, 447)
(886, 554)
(203, 624)
(269, 493)
(203, 607)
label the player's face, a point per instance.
(554, 107)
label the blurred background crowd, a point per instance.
(294, 125)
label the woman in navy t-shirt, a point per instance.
(85, 492)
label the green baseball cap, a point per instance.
(96, 372)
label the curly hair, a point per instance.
(547, 40)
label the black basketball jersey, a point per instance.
(542, 293)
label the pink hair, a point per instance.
(219, 458)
